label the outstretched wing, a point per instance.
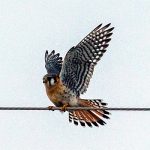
(79, 62)
(53, 63)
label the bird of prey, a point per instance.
(66, 80)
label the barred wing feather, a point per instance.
(79, 62)
(53, 63)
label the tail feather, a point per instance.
(84, 117)
(98, 119)
(79, 115)
(100, 114)
(70, 117)
(96, 103)
(89, 117)
(75, 118)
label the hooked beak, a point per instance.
(44, 80)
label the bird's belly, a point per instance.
(60, 97)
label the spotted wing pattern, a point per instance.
(53, 63)
(79, 62)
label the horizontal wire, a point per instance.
(77, 108)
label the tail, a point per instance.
(89, 117)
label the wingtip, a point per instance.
(113, 28)
(107, 25)
(98, 27)
(46, 55)
(53, 52)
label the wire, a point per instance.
(76, 108)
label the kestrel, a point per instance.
(66, 80)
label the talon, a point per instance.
(64, 107)
(51, 108)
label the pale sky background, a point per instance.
(121, 78)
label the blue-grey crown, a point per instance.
(53, 63)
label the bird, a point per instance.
(68, 78)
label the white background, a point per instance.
(121, 78)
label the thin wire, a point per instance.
(77, 108)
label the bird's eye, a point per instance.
(52, 81)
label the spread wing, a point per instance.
(53, 63)
(79, 62)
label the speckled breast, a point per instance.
(60, 95)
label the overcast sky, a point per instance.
(121, 78)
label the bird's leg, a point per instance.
(51, 108)
(64, 107)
